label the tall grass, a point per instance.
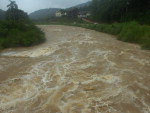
(135, 33)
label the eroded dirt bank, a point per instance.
(75, 71)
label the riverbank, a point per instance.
(128, 32)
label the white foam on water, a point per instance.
(63, 81)
(45, 51)
(57, 30)
(8, 53)
(140, 61)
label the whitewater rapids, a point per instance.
(75, 71)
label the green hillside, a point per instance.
(83, 5)
(47, 13)
(43, 13)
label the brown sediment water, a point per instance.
(75, 71)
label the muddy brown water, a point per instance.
(75, 71)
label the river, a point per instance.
(75, 71)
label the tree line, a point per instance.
(121, 10)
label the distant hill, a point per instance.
(87, 4)
(84, 7)
(2, 14)
(43, 13)
(46, 13)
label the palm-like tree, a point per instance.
(12, 5)
(15, 14)
(12, 12)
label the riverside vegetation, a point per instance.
(132, 32)
(133, 17)
(129, 20)
(17, 30)
(129, 32)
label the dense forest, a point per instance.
(16, 29)
(2, 14)
(121, 11)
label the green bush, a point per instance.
(136, 33)
(146, 37)
(16, 34)
(131, 32)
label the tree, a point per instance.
(2, 14)
(15, 14)
(12, 5)
(120, 10)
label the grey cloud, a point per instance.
(32, 5)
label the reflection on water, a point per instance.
(75, 71)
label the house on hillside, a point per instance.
(83, 14)
(61, 13)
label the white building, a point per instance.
(60, 14)
(83, 14)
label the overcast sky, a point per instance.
(33, 5)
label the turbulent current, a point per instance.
(75, 71)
